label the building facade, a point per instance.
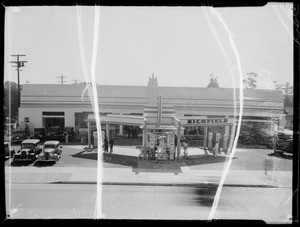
(68, 105)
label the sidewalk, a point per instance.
(88, 175)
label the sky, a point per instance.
(182, 46)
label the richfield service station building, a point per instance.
(188, 111)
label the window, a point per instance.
(54, 113)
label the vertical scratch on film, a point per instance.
(92, 90)
(241, 98)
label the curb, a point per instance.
(196, 185)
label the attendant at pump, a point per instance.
(105, 144)
(185, 147)
(111, 144)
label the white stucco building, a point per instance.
(45, 105)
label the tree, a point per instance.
(287, 93)
(12, 99)
(213, 81)
(250, 81)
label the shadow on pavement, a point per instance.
(205, 195)
(43, 164)
(204, 159)
(281, 155)
(158, 166)
(140, 165)
(21, 163)
(119, 159)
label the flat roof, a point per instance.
(160, 127)
(51, 142)
(118, 119)
(108, 91)
(31, 141)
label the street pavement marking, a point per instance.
(185, 169)
(94, 151)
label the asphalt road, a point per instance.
(149, 202)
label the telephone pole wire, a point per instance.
(61, 79)
(19, 64)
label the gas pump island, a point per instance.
(161, 133)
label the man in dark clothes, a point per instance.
(105, 145)
(111, 144)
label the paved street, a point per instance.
(149, 202)
(258, 186)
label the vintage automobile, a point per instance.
(39, 133)
(9, 152)
(282, 142)
(18, 136)
(51, 151)
(29, 150)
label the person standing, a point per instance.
(185, 147)
(27, 134)
(105, 144)
(111, 144)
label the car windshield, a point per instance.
(49, 146)
(27, 145)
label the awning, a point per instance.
(118, 119)
(160, 127)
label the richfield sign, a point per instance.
(206, 121)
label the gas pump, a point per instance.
(210, 137)
(225, 141)
(217, 145)
(172, 146)
(161, 149)
(151, 154)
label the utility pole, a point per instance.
(61, 79)
(19, 64)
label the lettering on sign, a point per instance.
(207, 121)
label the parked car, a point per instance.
(29, 150)
(18, 136)
(51, 151)
(283, 142)
(9, 152)
(39, 133)
(257, 138)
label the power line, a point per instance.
(19, 64)
(61, 79)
